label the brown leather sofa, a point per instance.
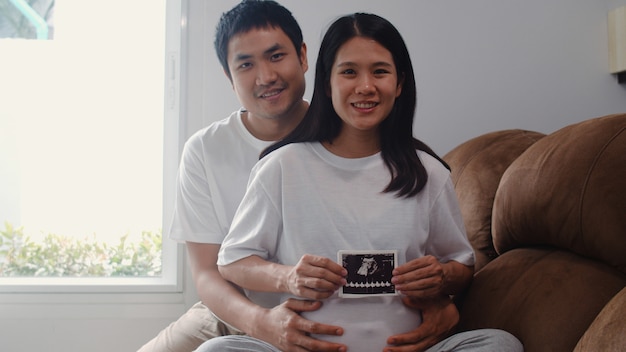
(546, 215)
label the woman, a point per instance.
(352, 177)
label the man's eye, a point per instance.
(277, 56)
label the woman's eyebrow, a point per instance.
(375, 64)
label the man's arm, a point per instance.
(281, 326)
(439, 317)
(427, 284)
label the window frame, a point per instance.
(171, 283)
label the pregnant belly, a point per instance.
(367, 322)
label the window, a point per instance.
(89, 147)
(26, 19)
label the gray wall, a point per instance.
(481, 65)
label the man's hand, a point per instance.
(439, 317)
(420, 278)
(315, 277)
(284, 328)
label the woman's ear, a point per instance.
(400, 84)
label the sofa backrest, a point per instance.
(477, 166)
(557, 218)
(568, 190)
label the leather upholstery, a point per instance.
(547, 218)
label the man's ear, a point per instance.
(304, 61)
(230, 79)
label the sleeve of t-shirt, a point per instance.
(257, 225)
(194, 217)
(447, 238)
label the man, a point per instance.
(260, 47)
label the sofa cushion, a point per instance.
(568, 190)
(477, 166)
(608, 330)
(545, 297)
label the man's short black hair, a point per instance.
(254, 14)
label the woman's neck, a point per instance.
(354, 145)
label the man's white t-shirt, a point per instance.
(212, 178)
(302, 199)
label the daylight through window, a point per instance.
(81, 138)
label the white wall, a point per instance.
(481, 65)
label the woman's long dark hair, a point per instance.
(322, 124)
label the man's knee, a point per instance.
(192, 329)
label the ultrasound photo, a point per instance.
(369, 273)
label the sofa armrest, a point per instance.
(546, 297)
(608, 330)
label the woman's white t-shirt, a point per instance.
(302, 199)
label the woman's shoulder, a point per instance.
(288, 151)
(293, 153)
(432, 165)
